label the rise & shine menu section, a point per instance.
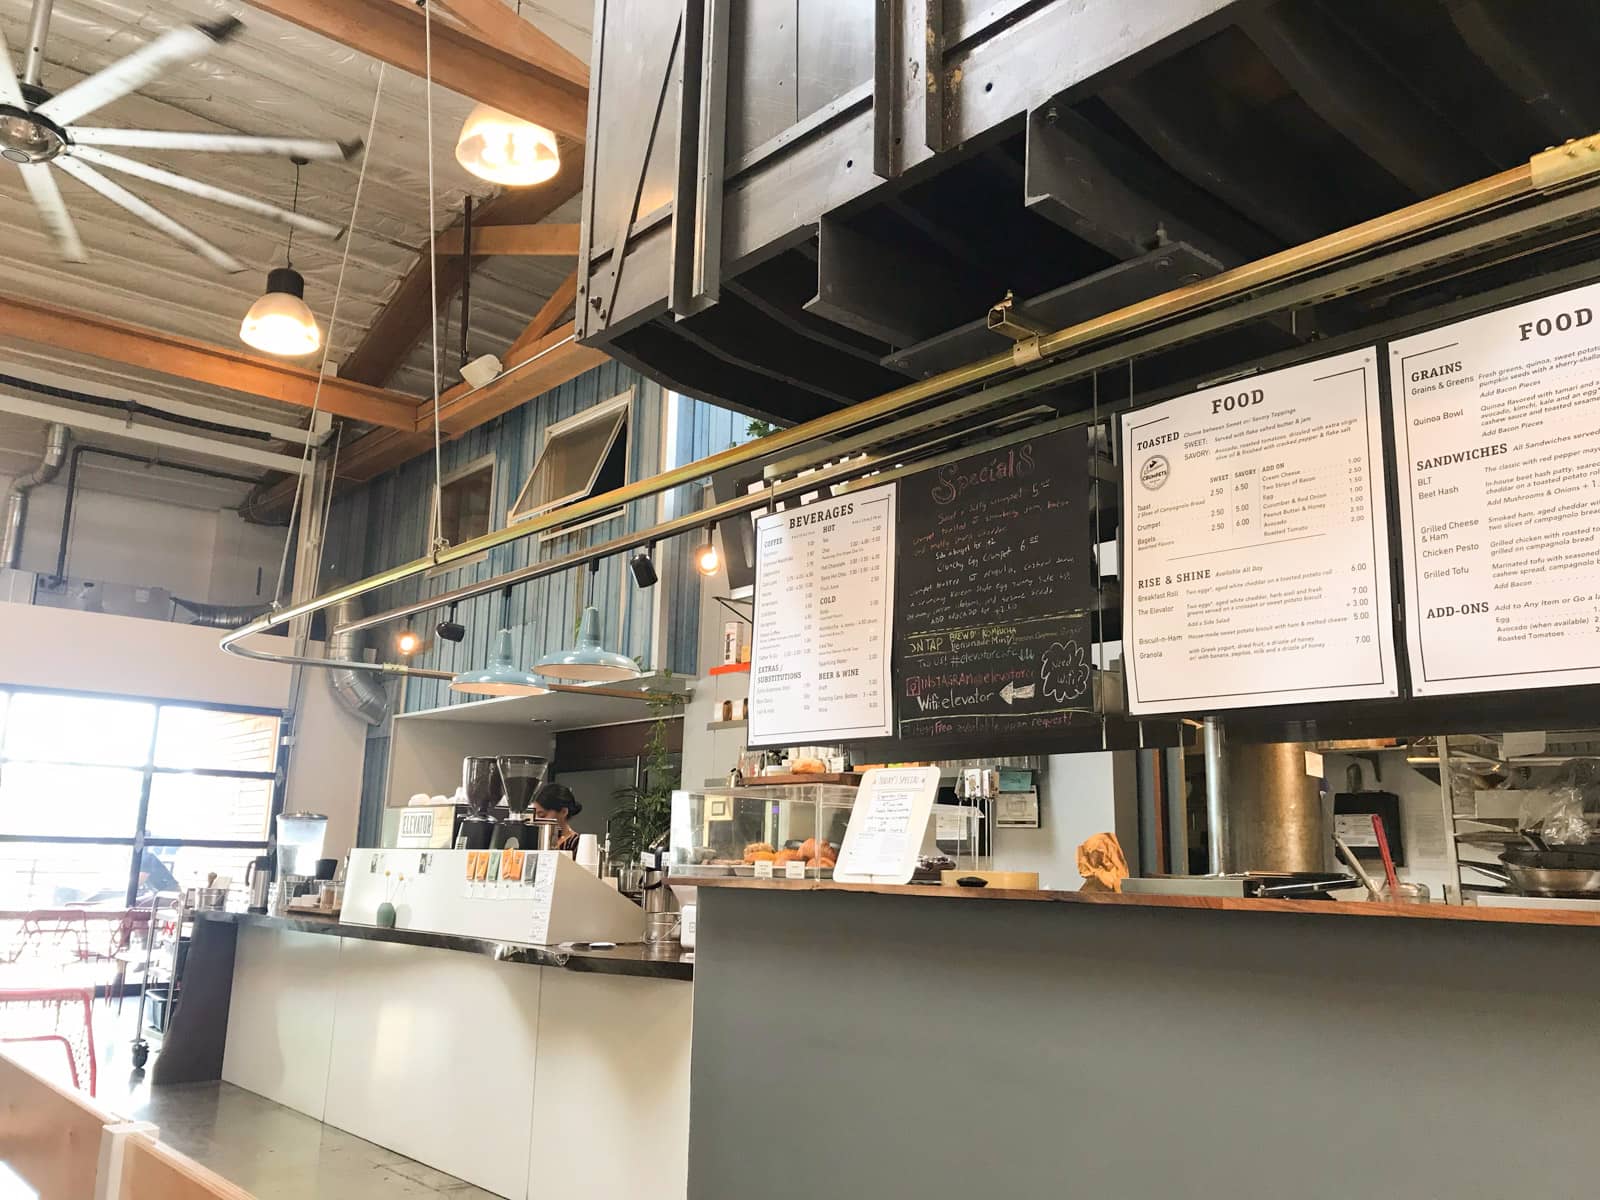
(1256, 564)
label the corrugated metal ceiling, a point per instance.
(274, 78)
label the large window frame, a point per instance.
(149, 770)
(619, 412)
(486, 462)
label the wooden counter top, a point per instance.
(1304, 908)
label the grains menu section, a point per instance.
(992, 633)
(1256, 543)
(1497, 427)
(819, 660)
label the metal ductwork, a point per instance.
(55, 453)
(359, 692)
(219, 616)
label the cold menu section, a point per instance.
(820, 650)
(1497, 427)
(1257, 553)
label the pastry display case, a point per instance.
(729, 831)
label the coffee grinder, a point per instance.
(480, 780)
(520, 776)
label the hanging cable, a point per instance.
(327, 345)
(433, 282)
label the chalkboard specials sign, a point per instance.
(993, 588)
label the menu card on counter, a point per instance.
(1497, 428)
(887, 823)
(819, 654)
(992, 632)
(1256, 563)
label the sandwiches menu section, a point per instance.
(1256, 566)
(1497, 428)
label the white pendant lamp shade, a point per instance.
(502, 677)
(280, 323)
(588, 661)
(506, 150)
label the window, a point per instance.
(584, 455)
(105, 800)
(466, 507)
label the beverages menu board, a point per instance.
(1256, 556)
(1497, 428)
(819, 654)
(991, 629)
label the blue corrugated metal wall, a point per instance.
(385, 523)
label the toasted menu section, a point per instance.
(819, 661)
(1256, 562)
(1497, 427)
(992, 631)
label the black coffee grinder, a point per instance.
(480, 780)
(520, 777)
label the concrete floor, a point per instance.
(272, 1152)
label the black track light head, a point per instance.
(644, 570)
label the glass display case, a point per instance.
(727, 831)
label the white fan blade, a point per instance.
(216, 143)
(52, 208)
(128, 166)
(137, 69)
(121, 196)
(10, 87)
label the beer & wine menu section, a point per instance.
(1497, 428)
(1256, 549)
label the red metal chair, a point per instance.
(37, 1014)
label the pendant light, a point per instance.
(588, 661)
(280, 322)
(502, 677)
(506, 150)
(706, 559)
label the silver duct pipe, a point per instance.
(358, 692)
(1218, 840)
(219, 616)
(55, 453)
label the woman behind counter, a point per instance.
(555, 802)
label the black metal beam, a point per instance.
(867, 286)
(1352, 88)
(1531, 48)
(1112, 197)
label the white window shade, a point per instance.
(581, 455)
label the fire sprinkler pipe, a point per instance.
(1161, 320)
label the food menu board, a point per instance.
(1497, 429)
(819, 653)
(992, 631)
(1256, 556)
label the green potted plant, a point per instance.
(644, 810)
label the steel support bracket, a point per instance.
(1562, 164)
(1023, 330)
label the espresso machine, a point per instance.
(480, 781)
(520, 776)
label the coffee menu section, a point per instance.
(1497, 428)
(1256, 547)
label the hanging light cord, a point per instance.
(327, 345)
(288, 251)
(439, 541)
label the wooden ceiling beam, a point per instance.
(546, 319)
(536, 89)
(391, 338)
(547, 241)
(497, 24)
(202, 362)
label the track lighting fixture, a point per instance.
(706, 558)
(644, 570)
(450, 629)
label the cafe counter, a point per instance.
(522, 1069)
(948, 1042)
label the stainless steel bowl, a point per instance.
(1555, 881)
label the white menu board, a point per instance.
(1257, 556)
(819, 655)
(1497, 429)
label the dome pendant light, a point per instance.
(501, 677)
(506, 150)
(588, 661)
(280, 322)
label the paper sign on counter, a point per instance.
(1497, 428)
(887, 821)
(1257, 553)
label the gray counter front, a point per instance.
(944, 1049)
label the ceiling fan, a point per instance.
(40, 133)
